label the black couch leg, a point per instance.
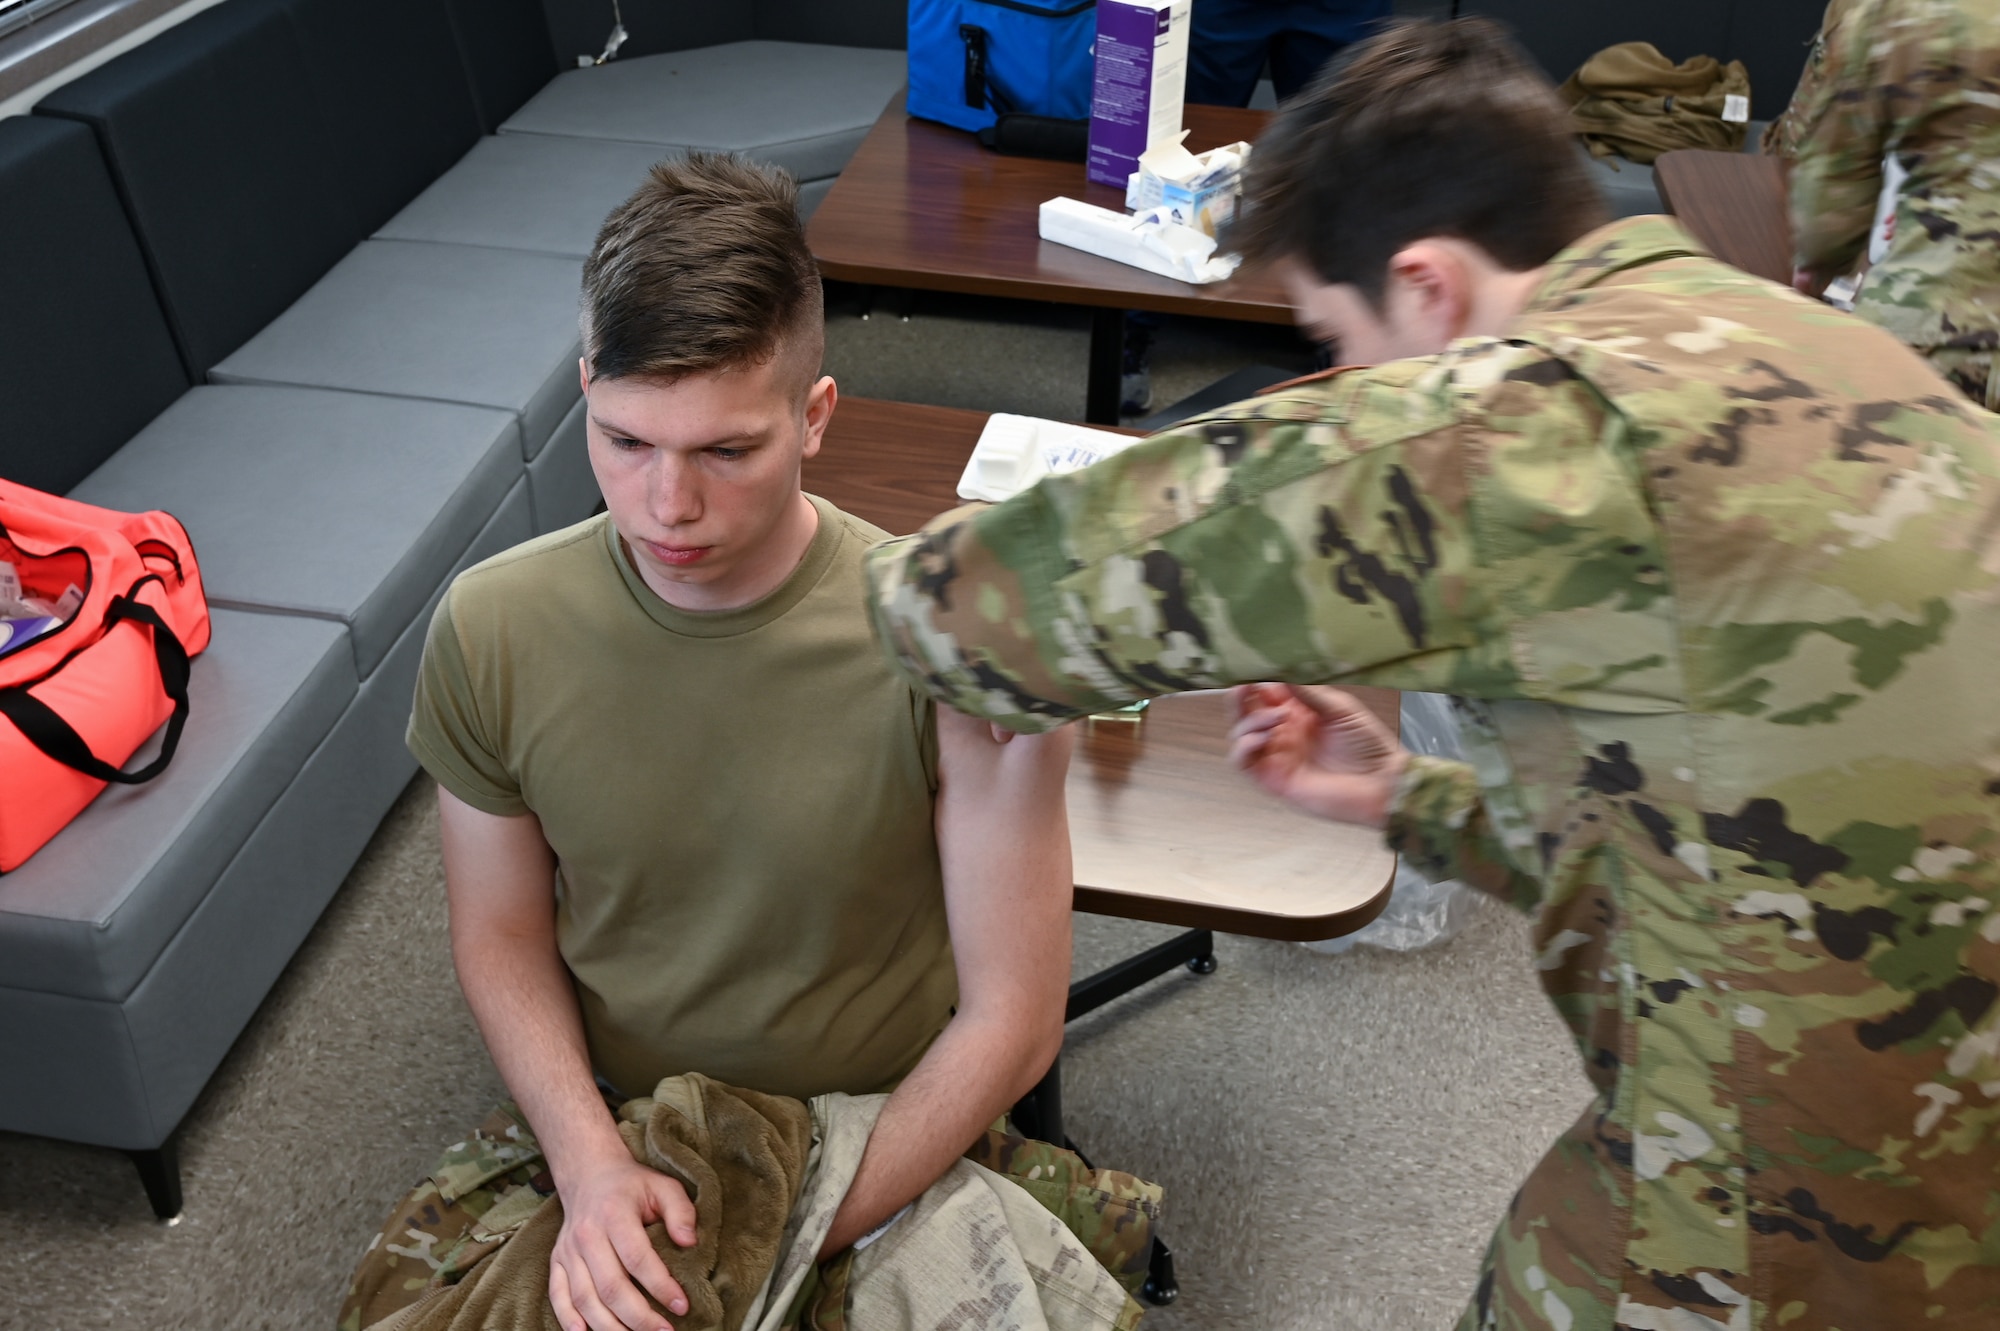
(160, 1171)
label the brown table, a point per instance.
(923, 205)
(1162, 827)
(1734, 203)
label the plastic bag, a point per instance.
(1420, 912)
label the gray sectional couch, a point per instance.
(304, 273)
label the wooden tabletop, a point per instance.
(923, 205)
(1734, 203)
(1162, 827)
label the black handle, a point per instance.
(55, 737)
(1019, 135)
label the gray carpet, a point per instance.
(1337, 1134)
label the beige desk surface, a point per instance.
(1163, 828)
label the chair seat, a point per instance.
(347, 506)
(814, 105)
(1627, 187)
(453, 323)
(527, 192)
(87, 915)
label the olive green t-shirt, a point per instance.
(740, 803)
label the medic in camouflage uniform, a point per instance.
(1918, 80)
(1716, 570)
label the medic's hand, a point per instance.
(1811, 282)
(1318, 748)
(604, 1248)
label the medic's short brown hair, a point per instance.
(1426, 129)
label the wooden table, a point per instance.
(923, 205)
(1734, 203)
(1162, 827)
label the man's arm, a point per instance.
(500, 881)
(1003, 837)
(1308, 536)
(1840, 124)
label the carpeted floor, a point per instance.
(1337, 1134)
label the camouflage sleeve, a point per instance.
(1840, 125)
(1315, 535)
(1438, 823)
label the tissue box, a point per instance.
(1151, 240)
(1197, 189)
(1141, 79)
(1016, 451)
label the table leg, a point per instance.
(1107, 367)
(1194, 949)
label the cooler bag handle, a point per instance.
(47, 731)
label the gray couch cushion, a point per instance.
(560, 481)
(90, 911)
(456, 323)
(811, 195)
(347, 506)
(527, 192)
(805, 108)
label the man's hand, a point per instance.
(603, 1248)
(1318, 748)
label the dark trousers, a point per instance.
(1231, 39)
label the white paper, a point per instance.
(1894, 176)
(1150, 241)
(69, 603)
(1014, 452)
(1735, 109)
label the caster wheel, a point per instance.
(1202, 965)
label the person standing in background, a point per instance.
(1916, 82)
(1227, 51)
(1232, 40)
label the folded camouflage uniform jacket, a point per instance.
(1630, 101)
(1716, 570)
(1018, 1235)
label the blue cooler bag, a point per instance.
(972, 61)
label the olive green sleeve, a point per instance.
(448, 733)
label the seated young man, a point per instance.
(692, 822)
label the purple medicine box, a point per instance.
(1141, 60)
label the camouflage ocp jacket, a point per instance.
(1920, 80)
(1717, 572)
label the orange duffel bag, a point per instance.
(104, 610)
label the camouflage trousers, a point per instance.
(487, 1186)
(1971, 372)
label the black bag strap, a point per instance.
(979, 89)
(58, 739)
(1018, 135)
